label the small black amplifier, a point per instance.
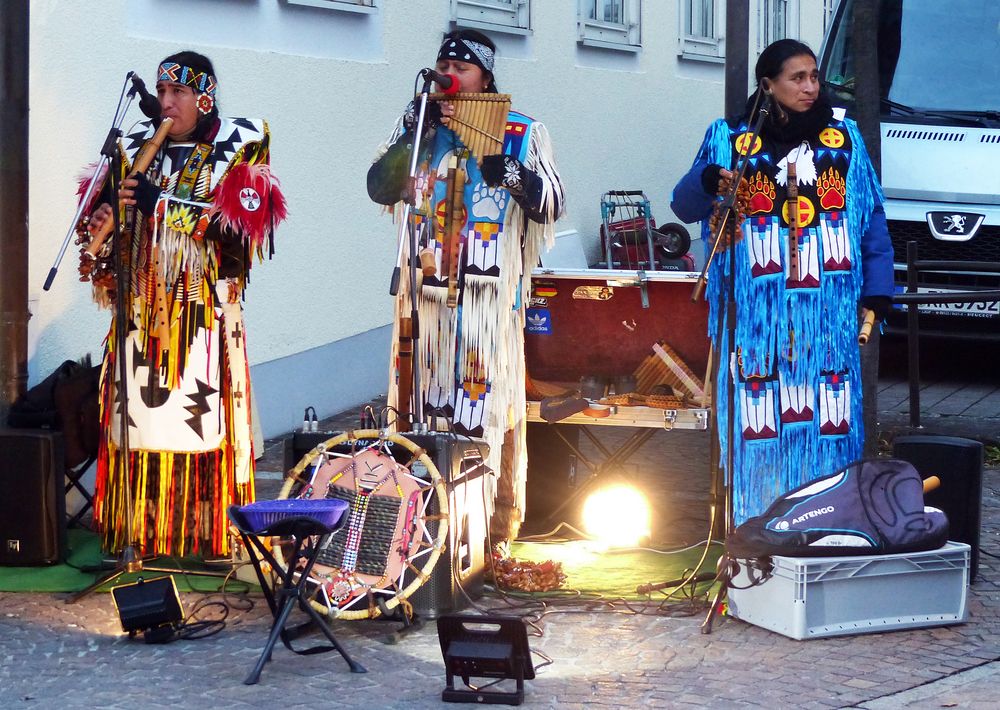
(33, 502)
(958, 463)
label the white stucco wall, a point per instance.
(331, 84)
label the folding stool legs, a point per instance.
(272, 639)
(328, 632)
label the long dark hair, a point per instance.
(774, 56)
(200, 63)
(790, 125)
(476, 36)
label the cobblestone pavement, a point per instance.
(67, 656)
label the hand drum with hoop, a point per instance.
(391, 542)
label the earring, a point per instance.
(205, 103)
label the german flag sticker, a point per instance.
(543, 289)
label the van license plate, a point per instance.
(987, 309)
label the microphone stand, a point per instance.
(726, 309)
(108, 152)
(408, 239)
(129, 559)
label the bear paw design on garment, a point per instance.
(488, 202)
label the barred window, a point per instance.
(776, 19)
(828, 7)
(345, 5)
(510, 16)
(700, 30)
(610, 24)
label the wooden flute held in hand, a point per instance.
(145, 156)
(454, 220)
(866, 326)
(793, 222)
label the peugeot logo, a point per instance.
(954, 226)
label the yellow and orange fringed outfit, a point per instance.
(189, 415)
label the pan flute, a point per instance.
(664, 366)
(480, 120)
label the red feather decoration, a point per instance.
(249, 202)
(83, 180)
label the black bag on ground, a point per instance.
(66, 400)
(872, 507)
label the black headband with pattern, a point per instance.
(465, 50)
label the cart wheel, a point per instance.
(673, 239)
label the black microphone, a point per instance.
(779, 112)
(448, 83)
(148, 104)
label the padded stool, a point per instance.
(309, 523)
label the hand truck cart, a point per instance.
(629, 236)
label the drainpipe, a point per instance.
(864, 49)
(737, 55)
(13, 203)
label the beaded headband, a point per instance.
(202, 82)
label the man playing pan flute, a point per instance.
(484, 219)
(205, 207)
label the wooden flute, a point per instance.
(866, 326)
(145, 156)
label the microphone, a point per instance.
(448, 83)
(779, 112)
(148, 104)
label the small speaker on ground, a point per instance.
(33, 502)
(959, 464)
(553, 472)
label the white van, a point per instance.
(939, 76)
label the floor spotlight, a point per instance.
(150, 607)
(617, 516)
(484, 647)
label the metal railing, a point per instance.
(912, 300)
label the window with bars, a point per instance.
(776, 19)
(771, 21)
(511, 16)
(345, 5)
(610, 24)
(828, 7)
(700, 30)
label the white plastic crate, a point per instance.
(812, 597)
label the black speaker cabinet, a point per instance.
(552, 476)
(33, 501)
(462, 565)
(301, 443)
(959, 465)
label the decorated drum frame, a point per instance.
(370, 479)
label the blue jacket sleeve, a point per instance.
(876, 257)
(690, 202)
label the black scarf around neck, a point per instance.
(801, 125)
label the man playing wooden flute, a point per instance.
(485, 218)
(205, 207)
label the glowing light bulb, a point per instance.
(617, 516)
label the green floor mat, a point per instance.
(616, 573)
(84, 550)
